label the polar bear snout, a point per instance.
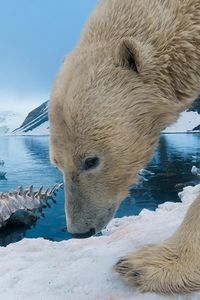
(79, 229)
(84, 216)
(85, 223)
(88, 234)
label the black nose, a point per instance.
(84, 235)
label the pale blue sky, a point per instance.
(34, 37)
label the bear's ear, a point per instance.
(127, 55)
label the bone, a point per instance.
(25, 200)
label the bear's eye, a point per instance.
(91, 163)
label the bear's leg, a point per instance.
(172, 267)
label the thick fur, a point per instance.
(136, 67)
(172, 267)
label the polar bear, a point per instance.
(136, 67)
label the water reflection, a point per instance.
(27, 162)
(171, 163)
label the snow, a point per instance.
(195, 171)
(37, 269)
(10, 120)
(187, 121)
(34, 127)
(42, 129)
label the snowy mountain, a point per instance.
(36, 122)
(189, 120)
(9, 121)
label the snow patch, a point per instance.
(187, 121)
(37, 269)
(42, 129)
(36, 122)
(9, 121)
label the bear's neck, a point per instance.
(178, 56)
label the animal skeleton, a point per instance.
(14, 204)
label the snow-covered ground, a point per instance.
(37, 269)
(187, 121)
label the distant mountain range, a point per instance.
(37, 123)
(189, 120)
(196, 108)
(9, 120)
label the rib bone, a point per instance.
(25, 200)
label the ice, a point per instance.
(38, 269)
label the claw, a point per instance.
(136, 274)
(120, 261)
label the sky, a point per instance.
(35, 35)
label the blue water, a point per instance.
(27, 162)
